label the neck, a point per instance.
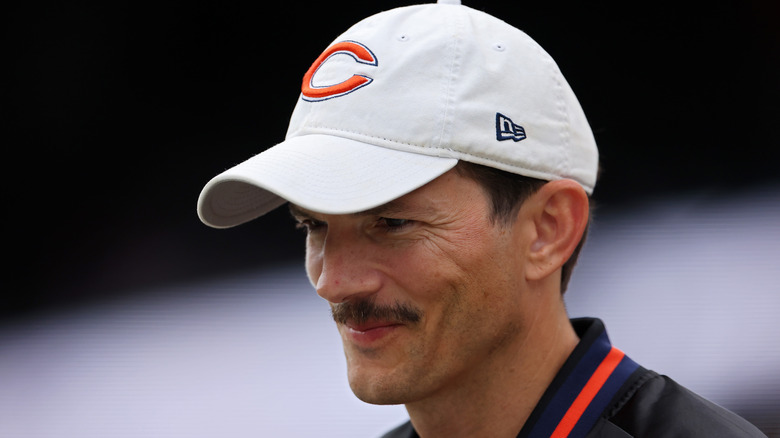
(496, 399)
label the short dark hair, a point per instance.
(507, 192)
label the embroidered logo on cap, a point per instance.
(360, 53)
(506, 129)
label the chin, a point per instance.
(380, 389)
(379, 397)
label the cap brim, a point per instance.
(321, 173)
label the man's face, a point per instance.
(425, 290)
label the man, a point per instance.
(441, 167)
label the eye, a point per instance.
(394, 224)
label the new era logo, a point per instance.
(506, 129)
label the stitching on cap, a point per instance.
(560, 105)
(455, 49)
(451, 151)
(317, 129)
(323, 129)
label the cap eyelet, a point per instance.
(403, 38)
(499, 47)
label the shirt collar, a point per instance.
(583, 388)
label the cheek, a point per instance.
(417, 268)
(433, 279)
(478, 275)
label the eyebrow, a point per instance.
(393, 207)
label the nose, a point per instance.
(343, 268)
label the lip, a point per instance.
(371, 332)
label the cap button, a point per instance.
(448, 2)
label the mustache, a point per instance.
(365, 310)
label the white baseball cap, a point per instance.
(396, 101)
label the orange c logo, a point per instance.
(359, 52)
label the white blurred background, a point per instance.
(686, 285)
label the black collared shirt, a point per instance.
(601, 392)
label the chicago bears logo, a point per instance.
(360, 53)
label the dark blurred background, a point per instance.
(118, 113)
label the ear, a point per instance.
(559, 213)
